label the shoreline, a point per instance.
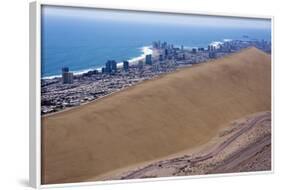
(145, 50)
(132, 61)
(92, 85)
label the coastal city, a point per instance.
(71, 90)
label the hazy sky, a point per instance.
(153, 18)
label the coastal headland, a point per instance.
(179, 111)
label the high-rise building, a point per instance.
(103, 70)
(110, 66)
(164, 45)
(155, 45)
(166, 52)
(161, 57)
(67, 77)
(113, 66)
(211, 48)
(140, 64)
(126, 65)
(148, 59)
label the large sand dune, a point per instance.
(154, 119)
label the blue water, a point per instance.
(81, 44)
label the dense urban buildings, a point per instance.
(68, 91)
(148, 59)
(67, 77)
(126, 66)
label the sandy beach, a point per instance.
(178, 112)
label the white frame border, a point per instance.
(35, 94)
(35, 90)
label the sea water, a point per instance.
(84, 44)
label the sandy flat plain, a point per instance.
(175, 112)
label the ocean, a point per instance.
(84, 44)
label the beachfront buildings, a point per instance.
(140, 65)
(126, 65)
(110, 66)
(148, 59)
(161, 58)
(67, 77)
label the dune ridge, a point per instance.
(156, 118)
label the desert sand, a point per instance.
(244, 145)
(152, 120)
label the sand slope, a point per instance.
(156, 118)
(244, 145)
